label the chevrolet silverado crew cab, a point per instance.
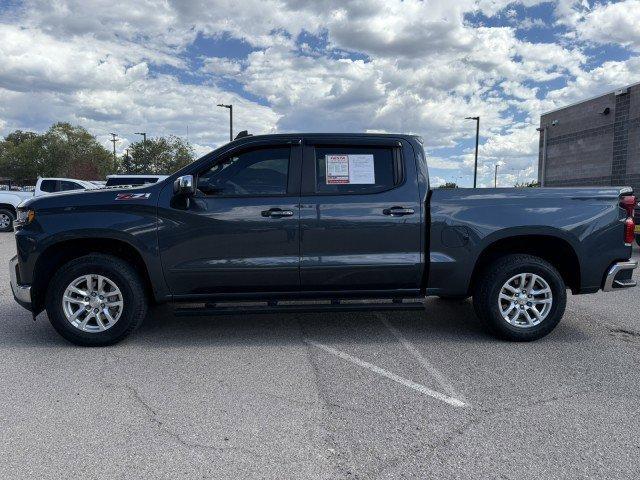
(316, 221)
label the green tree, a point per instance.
(74, 152)
(62, 151)
(19, 136)
(160, 155)
(20, 155)
(531, 184)
(449, 185)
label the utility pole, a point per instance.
(230, 107)
(475, 167)
(114, 139)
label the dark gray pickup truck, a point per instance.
(341, 221)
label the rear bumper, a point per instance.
(619, 276)
(21, 293)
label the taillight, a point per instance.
(629, 230)
(629, 204)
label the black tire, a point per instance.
(134, 299)
(487, 291)
(12, 217)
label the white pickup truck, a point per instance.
(10, 199)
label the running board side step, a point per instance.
(227, 309)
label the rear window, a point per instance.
(341, 170)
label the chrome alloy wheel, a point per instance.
(5, 220)
(92, 303)
(525, 300)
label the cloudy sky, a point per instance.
(325, 65)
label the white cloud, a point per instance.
(221, 66)
(423, 68)
(612, 23)
(436, 181)
(493, 7)
(32, 60)
(606, 77)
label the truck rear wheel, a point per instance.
(96, 300)
(6, 220)
(520, 297)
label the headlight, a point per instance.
(25, 217)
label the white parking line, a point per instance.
(391, 376)
(435, 373)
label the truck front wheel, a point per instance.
(96, 300)
(520, 297)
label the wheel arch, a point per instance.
(554, 249)
(8, 206)
(59, 253)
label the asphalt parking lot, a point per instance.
(305, 396)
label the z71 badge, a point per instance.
(132, 196)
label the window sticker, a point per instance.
(350, 169)
(361, 169)
(337, 169)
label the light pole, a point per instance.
(475, 167)
(114, 139)
(230, 107)
(543, 165)
(144, 137)
(144, 143)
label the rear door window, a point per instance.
(344, 170)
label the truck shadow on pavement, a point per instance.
(441, 322)
(445, 321)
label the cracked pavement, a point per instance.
(247, 397)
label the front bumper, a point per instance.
(22, 293)
(620, 276)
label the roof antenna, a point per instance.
(243, 133)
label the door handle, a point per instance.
(398, 211)
(277, 213)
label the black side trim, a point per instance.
(332, 307)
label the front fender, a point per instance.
(134, 226)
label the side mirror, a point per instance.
(184, 186)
